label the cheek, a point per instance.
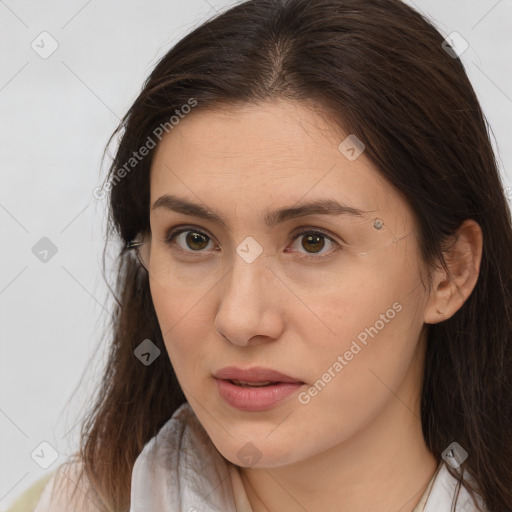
(184, 324)
(361, 301)
(369, 341)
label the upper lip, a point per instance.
(255, 374)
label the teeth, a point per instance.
(252, 384)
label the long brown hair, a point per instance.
(378, 68)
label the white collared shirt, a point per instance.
(181, 470)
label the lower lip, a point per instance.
(256, 399)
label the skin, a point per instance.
(357, 445)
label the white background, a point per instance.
(56, 116)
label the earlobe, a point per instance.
(463, 258)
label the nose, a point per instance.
(249, 306)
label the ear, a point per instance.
(463, 257)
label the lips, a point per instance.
(252, 384)
(256, 375)
(255, 389)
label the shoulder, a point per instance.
(446, 488)
(63, 491)
(27, 501)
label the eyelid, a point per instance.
(305, 230)
(313, 229)
(175, 231)
(172, 233)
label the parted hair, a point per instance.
(379, 69)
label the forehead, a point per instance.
(269, 155)
(280, 135)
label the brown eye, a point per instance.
(313, 242)
(190, 240)
(193, 241)
(196, 241)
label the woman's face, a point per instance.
(342, 315)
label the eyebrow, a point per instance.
(271, 218)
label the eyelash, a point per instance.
(174, 232)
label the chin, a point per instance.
(258, 454)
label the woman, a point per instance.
(318, 317)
